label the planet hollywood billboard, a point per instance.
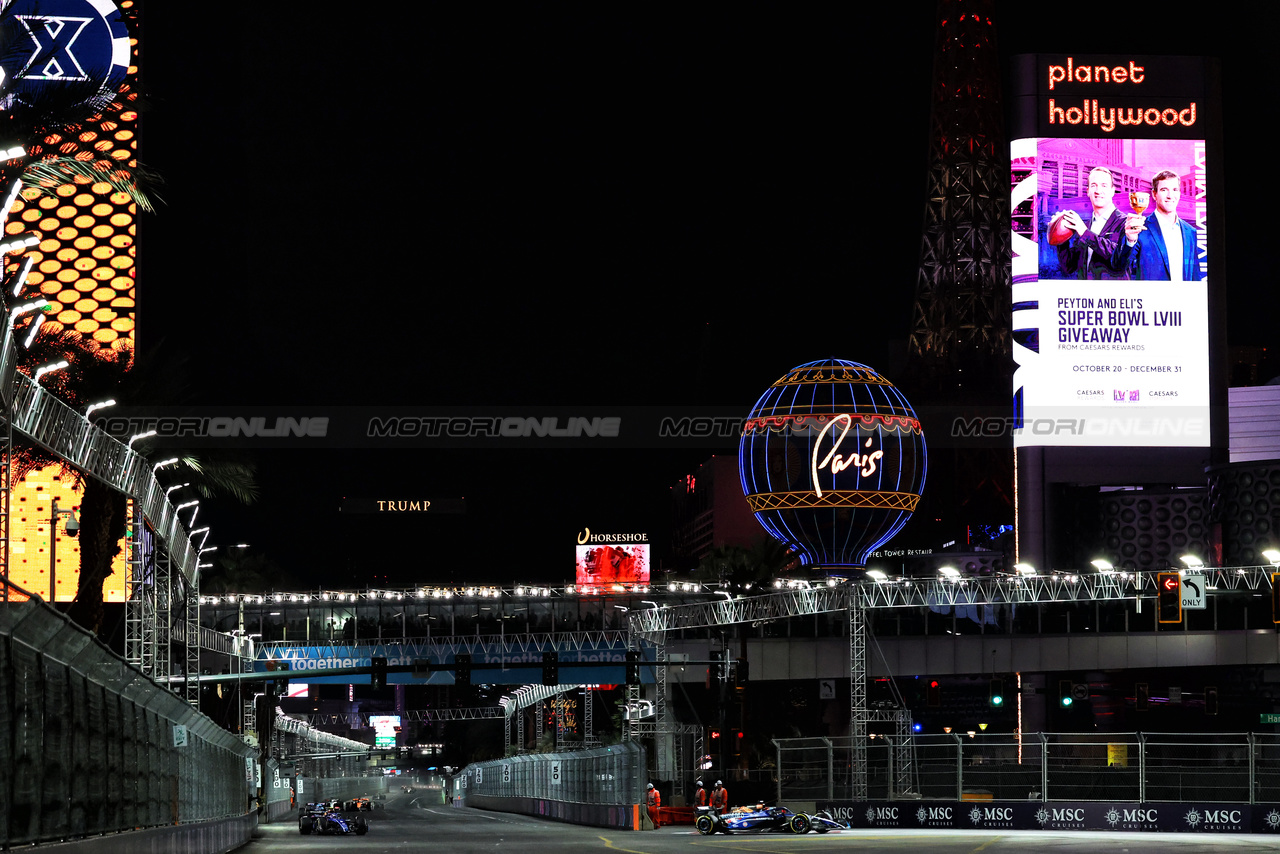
(1111, 251)
(833, 461)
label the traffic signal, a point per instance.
(462, 668)
(1141, 697)
(551, 668)
(741, 672)
(997, 693)
(1064, 694)
(278, 686)
(1211, 701)
(379, 675)
(715, 673)
(715, 734)
(1168, 597)
(935, 694)
(633, 667)
(1275, 597)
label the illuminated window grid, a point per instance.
(29, 551)
(85, 263)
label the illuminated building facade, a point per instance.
(709, 510)
(85, 266)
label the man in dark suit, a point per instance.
(1161, 247)
(1088, 255)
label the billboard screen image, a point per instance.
(1111, 261)
(621, 563)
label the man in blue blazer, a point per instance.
(1161, 247)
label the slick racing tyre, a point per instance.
(706, 825)
(799, 823)
(306, 825)
(362, 826)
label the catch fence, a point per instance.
(1078, 767)
(90, 745)
(602, 786)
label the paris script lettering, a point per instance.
(866, 463)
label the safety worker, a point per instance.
(700, 798)
(720, 798)
(654, 801)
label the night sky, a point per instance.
(447, 204)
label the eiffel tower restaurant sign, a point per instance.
(833, 461)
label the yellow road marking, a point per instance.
(608, 843)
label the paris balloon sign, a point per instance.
(833, 461)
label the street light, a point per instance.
(20, 277)
(12, 195)
(19, 310)
(204, 530)
(73, 528)
(1192, 561)
(1272, 556)
(22, 241)
(137, 436)
(1025, 569)
(91, 408)
(164, 463)
(175, 486)
(49, 368)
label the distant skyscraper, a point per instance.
(960, 326)
(709, 511)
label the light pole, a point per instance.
(73, 528)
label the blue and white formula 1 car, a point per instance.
(762, 819)
(323, 818)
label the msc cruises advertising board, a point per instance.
(1110, 255)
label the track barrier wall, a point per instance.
(600, 787)
(90, 746)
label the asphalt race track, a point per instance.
(418, 822)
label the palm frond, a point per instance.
(236, 478)
(47, 175)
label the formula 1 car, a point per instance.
(762, 819)
(323, 818)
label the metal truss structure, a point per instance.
(653, 624)
(450, 645)
(28, 409)
(961, 314)
(475, 713)
(512, 706)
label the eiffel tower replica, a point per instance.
(959, 351)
